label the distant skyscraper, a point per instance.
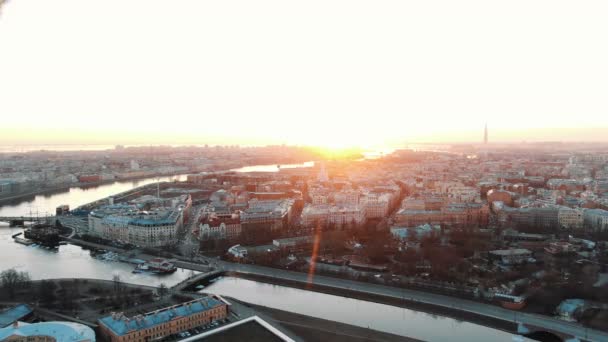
(485, 134)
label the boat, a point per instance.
(23, 241)
(157, 265)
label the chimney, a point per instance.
(15, 324)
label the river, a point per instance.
(76, 196)
(390, 319)
(73, 261)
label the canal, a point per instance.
(390, 319)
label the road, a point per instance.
(550, 323)
(488, 310)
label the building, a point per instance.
(544, 217)
(511, 256)
(14, 314)
(252, 328)
(466, 194)
(303, 241)
(214, 228)
(569, 218)
(47, 332)
(595, 219)
(403, 233)
(164, 322)
(495, 195)
(376, 205)
(145, 228)
(345, 197)
(457, 215)
(324, 215)
(274, 214)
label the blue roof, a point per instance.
(60, 331)
(122, 326)
(7, 317)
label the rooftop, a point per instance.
(252, 329)
(60, 331)
(507, 252)
(122, 325)
(10, 315)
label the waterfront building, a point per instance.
(47, 332)
(164, 322)
(146, 228)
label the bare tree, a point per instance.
(163, 290)
(117, 283)
(11, 280)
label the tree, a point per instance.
(11, 280)
(163, 290)
(46, 291)
(117, 283)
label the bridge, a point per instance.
(196, 279)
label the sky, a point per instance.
(326, 73)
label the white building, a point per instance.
(569, 218)
(127, 224)
(376, 205)
(346, 197)
(327, 214)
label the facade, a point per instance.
(275, 214)
(595, 219)
(403, 233)
(376, 205)
(453, 215)
(324, 215)
(214, 228)
(350, 197)
(464, 194)
(47, 332)
(511, 256)
(127, 224)
(161, 323)
(293, 242)
(569, 218)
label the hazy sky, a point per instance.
(302, 72)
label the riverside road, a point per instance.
(487, 310)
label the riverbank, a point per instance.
(406, 303)
(18, 198)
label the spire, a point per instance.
(485, 134)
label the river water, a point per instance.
(73, 261)
(76, 196)
(391, 319)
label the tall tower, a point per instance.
(485, 134)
